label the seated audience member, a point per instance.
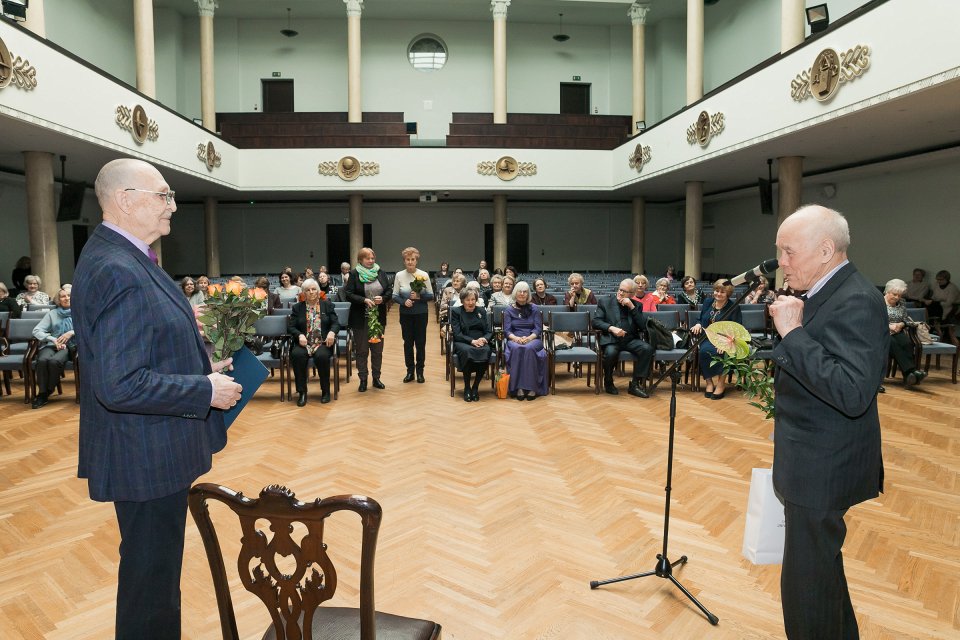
(483, 279)
(344, 273)
(31, 293)
(524, 353)
(323, 269)
(646, 299)
(472, 334)
(271, 301)
(203, 285)
(449, 294)
(901, 348)
(690, 294)
(512, 272)
(314, 326)
(308, 274)
(761, 294)
(621, 325)
(472, 285)
(443, 273)
(540, 295)
(57, 345)
(496, 284)
(498, 272)
(298, 280)
(504, 297)
(7, 303)
(482, 267)
(669, 275)
(323, 281)
(287, 291)
(713, 309)
(661, 293)
(917, 289)
(577, 294)
(194, 296)
(943, 300)
(20, 271)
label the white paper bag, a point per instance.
(764, 531)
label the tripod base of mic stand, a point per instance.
(664, 570)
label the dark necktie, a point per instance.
(152, 255)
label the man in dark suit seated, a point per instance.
(621, 323)
(149, 395)
(830, 362)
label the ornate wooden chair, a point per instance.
(294, 599)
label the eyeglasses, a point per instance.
(168, 196)
(625, 291)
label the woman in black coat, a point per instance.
(471, 341)
(367, 288)
(314, 326)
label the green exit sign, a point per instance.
(576, 78)
(275, 74)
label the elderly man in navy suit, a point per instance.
(150, 399)
(830, 363)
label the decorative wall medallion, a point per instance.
(506, 168)
(208, 155)
(16, 70)
(705, 128)
(137, 122)
(830, 69)
(639, 157)
(348, 168)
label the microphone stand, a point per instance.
(664, 568)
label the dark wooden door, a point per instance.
(518, 247)
(338, 245)
(575, 98)
(277, 96)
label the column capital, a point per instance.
(207, 7)
(638, 13)
(499, 9)
(354, 8)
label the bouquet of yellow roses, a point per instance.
(419, 283)
(229, 316)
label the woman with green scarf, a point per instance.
(57, 345)
(368, 291)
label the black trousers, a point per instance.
(50, 364)
(641, 350)
(151, 555)
(299, 360)
(813, 587)
(413, 328)
(902, 351)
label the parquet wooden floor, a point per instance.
(497, 514)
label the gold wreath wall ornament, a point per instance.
(16, 70)
(506, 168)
(348, 168)
(705, 128)
(830, 69)
(641, 155)
(207, 154)
(137, 123)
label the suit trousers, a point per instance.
(641, 350)
(813, 587)
(299, 360)
(49, 366)
(151, 555)
(413, 327)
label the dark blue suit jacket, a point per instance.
(146, 426)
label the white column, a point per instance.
(694, 50)
(208, 108)
(639, 233)
(792, 24)
(143, 39)
(212, 236)
(356, 225)
(789, 190)
(354, 106)
(499, 231)
(638, 18)
(36, 20)
(42, 219)
(693, 236)
(499, 9)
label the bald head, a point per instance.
(118, 175)
(818, 223)
(132, 196)
(812, 242)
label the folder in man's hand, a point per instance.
(249, 373)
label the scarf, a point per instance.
(368, 275)
(583, 296)
(61, 321)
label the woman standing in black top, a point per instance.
(368, 291)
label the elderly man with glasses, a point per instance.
(621, 323)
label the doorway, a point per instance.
(575, 98)
(338, 245)
(277, 96)
(518, 247)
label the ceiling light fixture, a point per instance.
(290, 33)
(561, 36)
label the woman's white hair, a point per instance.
(523, 285)
(303, 285)
(895, 286)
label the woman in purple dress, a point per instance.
(524, 352)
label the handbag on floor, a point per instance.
(503, 385)
(763, 533)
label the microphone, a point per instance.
(765, 268)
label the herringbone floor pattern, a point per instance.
(498, 514)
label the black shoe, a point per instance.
(40, 400)
(532, 396)
(408, 377)
(363, 385)
(325, 397)
(302, 399)
(882, 389)
(911, 379)
(475, 395)
(521, 396)
(636, 390)
(609, 387)
(378, 385)
(718, 396)
(420, 378)
(708, 394)
(467, 395)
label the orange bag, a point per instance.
(503, 385)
